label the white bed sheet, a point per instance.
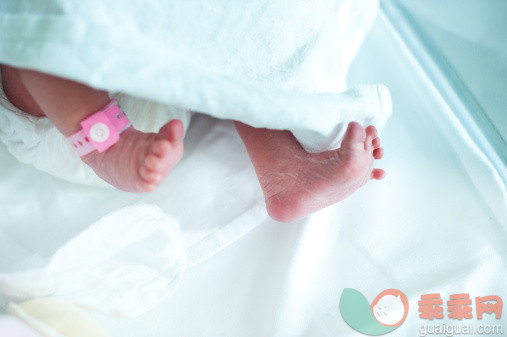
(212, 196)
(437, 223)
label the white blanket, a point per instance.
(277, 64)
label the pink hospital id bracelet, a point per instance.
(101, 130)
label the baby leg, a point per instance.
(137, 163)
(296, 183)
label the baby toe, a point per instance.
(153, 163)
(172, 131)
(147, 187)
(161, 148)
(149, 176)
(378, 153)
(371, 131)
(353, 138)
(378, 174)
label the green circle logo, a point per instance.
(387, 311)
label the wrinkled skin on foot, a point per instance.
(296, 183)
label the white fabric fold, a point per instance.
(124, 264)
(213, 192)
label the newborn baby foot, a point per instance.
(297, 183)
(140, 161)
